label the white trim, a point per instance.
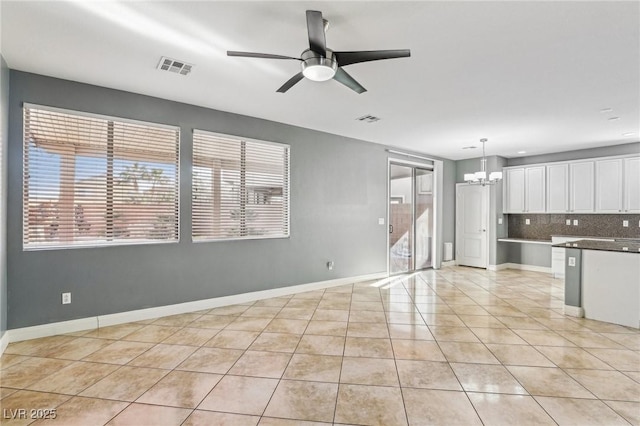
(4, 342)
(45, 330)
(519, 266)
(91, 323)
(499, 267)
(574, 311)
(448, 263)
(438, 213)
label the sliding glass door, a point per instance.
(410, 218)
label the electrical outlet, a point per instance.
(575, 222)
(381, 221)
(572, 261)
(527, 221)
(625, 223)
(568, 222)
(66, 298)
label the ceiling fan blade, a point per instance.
(343, 77)
(259, 55)
(315, 29)
(291, 82)
(348, 58)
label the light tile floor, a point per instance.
(455, 346)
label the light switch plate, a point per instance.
(568, 222)
(499, 221)
(625, 223)
(572, 261)
(527, 221)
(575, 222)
(381, 221)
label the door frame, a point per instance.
(487, 199)
(436, 217)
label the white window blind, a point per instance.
(91, 180)
(240, 188)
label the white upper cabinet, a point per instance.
(534, 192)
(631, 185)
(581, 187)
(524, 190)
(600, 185)
(609, 186)
(514, 191)
(557, 188)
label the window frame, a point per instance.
(241, 139)
(94, 243)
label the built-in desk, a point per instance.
(602, 280)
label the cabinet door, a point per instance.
(514, 191)
(558, 188)
(631, 185)
(609, 186)
(534, 189)
(581, 187)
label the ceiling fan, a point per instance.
(321, 64)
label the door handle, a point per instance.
(391, 229)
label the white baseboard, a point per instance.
(45, 330)
(520, 267)
(573, 311)
(448, 263)
(499, 267)
(90, 323)
(4, 342)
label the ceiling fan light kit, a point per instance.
(322, 64)
(317, 68)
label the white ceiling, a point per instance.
(530, 76)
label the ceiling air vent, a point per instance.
(368, 118)
(172, 65)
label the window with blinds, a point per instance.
(92, 180)
(240, 188)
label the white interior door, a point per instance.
(472, 212)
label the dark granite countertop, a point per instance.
(620, 245)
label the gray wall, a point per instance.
(497, 252)
(528, 254)
(338, 192)
(4, 141)
(605, 151)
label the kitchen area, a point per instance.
(579, 220)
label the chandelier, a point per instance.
(480, 178)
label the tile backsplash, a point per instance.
(543, 226)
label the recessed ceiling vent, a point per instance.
(172, 65)
(368, 118)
